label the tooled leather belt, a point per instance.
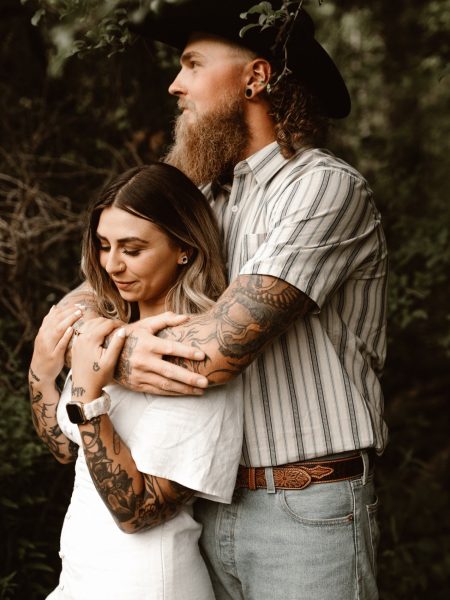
(299, 475)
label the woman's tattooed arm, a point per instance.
(44, 398)
(136, 501)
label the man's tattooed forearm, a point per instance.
(251, 313)
(257, 310)
(115, 485)
(123, 368)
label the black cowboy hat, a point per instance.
(307, 59)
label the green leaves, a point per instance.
(268, 16)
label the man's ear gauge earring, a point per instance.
(248, 92)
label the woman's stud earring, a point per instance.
(184, 260)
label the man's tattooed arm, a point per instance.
(44, 397)
(136, 501)
(252, 312)
(123, 368)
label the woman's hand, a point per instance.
(52, 340)
(92, 363)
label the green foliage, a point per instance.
(268, 16)
(26, 494)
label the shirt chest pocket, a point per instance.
(250, 244)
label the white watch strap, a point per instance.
(97, 407)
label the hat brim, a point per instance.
(309, 61)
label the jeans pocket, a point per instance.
(374, 531)
(319, 505)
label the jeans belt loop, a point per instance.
(365, 459)
(270, 481)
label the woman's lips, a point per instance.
(123, 285)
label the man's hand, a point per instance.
(250, 314)
(142, 367)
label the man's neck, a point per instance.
(261, 127)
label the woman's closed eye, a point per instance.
(127, 251)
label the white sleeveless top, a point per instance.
(195, 441)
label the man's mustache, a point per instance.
(186, 104)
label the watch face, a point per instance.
(75, 413)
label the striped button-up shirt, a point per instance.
(311, 222)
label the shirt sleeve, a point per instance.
(195, 441)
(320, 229)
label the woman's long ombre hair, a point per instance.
(163, 195)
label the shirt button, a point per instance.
(61, 555)
(234, 209)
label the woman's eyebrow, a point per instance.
(124, 240)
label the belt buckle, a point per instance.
(301, 477)
(297, 478)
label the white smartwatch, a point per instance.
(80, 413)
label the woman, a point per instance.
(151, 245)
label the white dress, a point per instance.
(195, 441)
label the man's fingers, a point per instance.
(171, 373)
(166, 319)
(172, 348)
(166, 387)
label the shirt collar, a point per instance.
(264, 164)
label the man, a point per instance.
(303, 318)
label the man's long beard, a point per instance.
(209, 149)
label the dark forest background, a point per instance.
(67, 126)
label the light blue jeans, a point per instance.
(318, 543)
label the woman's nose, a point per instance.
(114, 264)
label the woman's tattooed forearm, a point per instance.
(33, 375)
(43, 415)
(132, 510)
(78, 391)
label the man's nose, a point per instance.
(176, 87)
